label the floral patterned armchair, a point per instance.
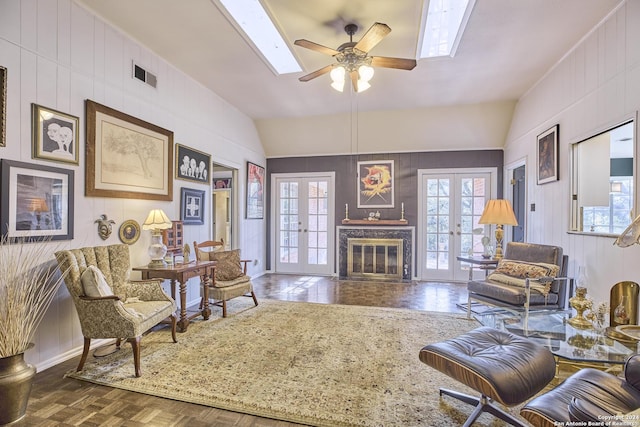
(109, 305)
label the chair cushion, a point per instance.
(524, 270)
(227, 264)
(94, 284)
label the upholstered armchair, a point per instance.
(109, 305)
(230, 278)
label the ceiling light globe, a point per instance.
(337, 75)
(339, 86)
(362, 86)
(365, 72)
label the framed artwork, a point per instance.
(37, 201)
(192, 165)
(191, 206)
(54, 135)
(129, 232)
(255, 191)
(3, 106)
(375, 184)
(222, 183)
(127, 157)
(547, 155)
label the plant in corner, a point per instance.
(27, 286)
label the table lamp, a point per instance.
(498, 212)
(157, 221)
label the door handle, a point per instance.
(451, 233)
(305, 230)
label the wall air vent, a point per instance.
(144, 75)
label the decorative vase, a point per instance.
(16, 378)
(580, 303)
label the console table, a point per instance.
(182, 273)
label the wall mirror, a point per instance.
(603, 185)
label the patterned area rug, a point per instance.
(315, 364)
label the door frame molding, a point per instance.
(331, 231)
(493, 182)
(508, 194)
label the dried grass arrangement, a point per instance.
(28, 284)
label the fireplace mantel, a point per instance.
(375, 222)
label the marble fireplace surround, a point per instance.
(406, 233)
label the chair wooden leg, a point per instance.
(135, 346)
(255, 300)
(174, 322)
(85, 353)
(118, 342)
(224, 308)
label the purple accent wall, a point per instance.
(406, 166)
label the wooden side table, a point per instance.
(182, 273)
(485, 264)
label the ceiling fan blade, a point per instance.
(354, 80)
(386, 62)
(315, 46)
(372, 37)
(317, 73)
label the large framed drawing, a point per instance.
(37, 201)
(54, 135)
(127, 157)
(3, 106)
(191, 206)
(547, 155)
(255, 191)
(375, 184)
(192, 165)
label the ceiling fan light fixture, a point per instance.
(337, 77)
(339, 86)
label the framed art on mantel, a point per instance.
(255, 191)
(127, 157)
(54, 135)
(37, 201)
(547, 155)
(375, 184)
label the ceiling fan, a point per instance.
(354, 58)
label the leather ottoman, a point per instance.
(501, 366)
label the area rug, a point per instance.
(315, 364)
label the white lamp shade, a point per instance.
(362, 86)
(157, 220)
(337, 74)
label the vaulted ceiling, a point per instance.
(507, 47)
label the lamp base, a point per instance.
(157, 263)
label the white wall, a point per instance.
(58, 54)
(596, 85)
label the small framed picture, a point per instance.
(191, 206)
(129, 231)
(547, 155)
(37, 201)
(255, 191)
(192, 165)
(54, 135)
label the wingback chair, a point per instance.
(230, 278)
(109, 305)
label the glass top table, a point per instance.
(551, 329)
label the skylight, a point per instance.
(443, 26)
(256, 24)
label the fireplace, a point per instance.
(375, 252)
(374, 258)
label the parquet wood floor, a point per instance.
(58, 401)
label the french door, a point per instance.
(451, 204)
(304, 223)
